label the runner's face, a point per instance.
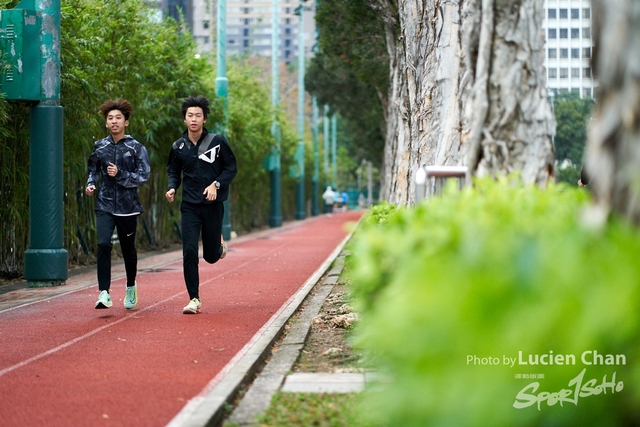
(116, 123)
(194, 119)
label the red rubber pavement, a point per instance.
(63, 363)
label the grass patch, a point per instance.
(311, 409)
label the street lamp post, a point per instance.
(45, 261)
(222, 90)
(300, 210)
(315, 209)
(334, 150)
(275, 220)
(325, 140)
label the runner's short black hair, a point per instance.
(195, 101)
(120, 104)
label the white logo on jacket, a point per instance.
(210, 155)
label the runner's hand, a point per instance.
(210, 193)
(89, 190)
(170, 195)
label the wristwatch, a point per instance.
(217, 184)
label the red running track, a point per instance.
(63, 363)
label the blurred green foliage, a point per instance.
(449, 289)
(572, 116)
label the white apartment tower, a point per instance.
(567, 26)
(248, 25)
(249, 28)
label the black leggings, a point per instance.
(197, 218)
(126, 228)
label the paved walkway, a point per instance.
(63, 363)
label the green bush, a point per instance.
(447, 290)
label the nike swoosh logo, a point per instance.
(130, 234)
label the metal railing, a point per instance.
(430, 180)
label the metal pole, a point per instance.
(315, 209)
(275, 220)
(46, 260)
(300, 212)
(369, 185)
(222, 90)
(334, 150)
(325, 138)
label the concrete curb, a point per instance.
(208, 408)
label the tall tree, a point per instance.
(613, 148)
(572, 115)
(467, 86)
(349, 73)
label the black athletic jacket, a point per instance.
(118, 195)
(201, 164)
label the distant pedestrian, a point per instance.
(345, 201)
(204, 162)
(329, 197)
(584, 178)
(121, 164)
(361, 201)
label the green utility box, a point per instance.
(20, 54)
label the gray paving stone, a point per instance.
(324, 382)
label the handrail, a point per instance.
(424, 186)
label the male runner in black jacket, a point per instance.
(205, 164)
(123, 164)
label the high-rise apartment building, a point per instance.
(567, 26)
(249, 28)
(248, 25)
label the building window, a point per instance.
(246, 21)
(586, 52)
(575, 73)
(575, 90)
(564, 33)
(552, 33)
(287, 31)
(564, 73)
(287, 54)
(551, 13)
(231, 41)
(563, 90)
(564, 13)
(586, 13)
(287, 21)
(564, 53)
(575, 33)
(586, 33)
(553, 73)
(245, 43)
(586, 92)
(575, 13)
(205, 24)
(586, 73)
(287, 43)
(245, 32)
(575, 53)
(553, 53)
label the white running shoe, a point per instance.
(193, 307)
(104, 300)
(131, 297)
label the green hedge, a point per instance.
(447, 290)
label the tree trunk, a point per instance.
(468, 87)
(613, 146)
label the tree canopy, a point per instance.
(350, 73)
